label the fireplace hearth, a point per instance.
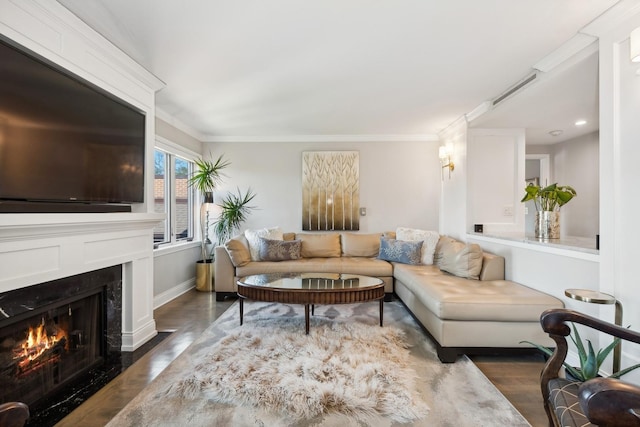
(60, 341)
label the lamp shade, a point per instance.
(634, 45)
(443, 152)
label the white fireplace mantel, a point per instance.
(36, 248)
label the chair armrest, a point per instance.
(610, 402)
(13, 414)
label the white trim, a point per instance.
(611, 19)
(168, 248)
(546, 247)
(173, 293)
(568, 49)
(323, 138)
(478, 111)
(174, 148)
(545, 169)
(176, 123)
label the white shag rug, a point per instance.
(349, 372)
(354, 369)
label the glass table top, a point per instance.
(310, 281)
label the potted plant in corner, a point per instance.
(590, 361)
(205, 178)
(548, 201)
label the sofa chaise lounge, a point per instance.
(461, 298)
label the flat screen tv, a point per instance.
(63, 139)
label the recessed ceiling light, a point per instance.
(556, 132)
(581, 122)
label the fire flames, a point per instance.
(37, 343)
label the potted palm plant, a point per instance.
(548, 201)
(205, 178)
(590, 361)
(234, 211)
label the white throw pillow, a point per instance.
(429, 239)
(253, 238)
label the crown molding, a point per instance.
(567, 50)
(324, 138)
(168, 118)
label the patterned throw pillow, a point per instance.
(253, 238)
(279, 250)
(400, 251)
(430, 239)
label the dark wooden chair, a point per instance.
(601, 401)
(13, 414)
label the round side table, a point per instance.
(596, 297)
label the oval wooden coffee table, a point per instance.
(310, 289)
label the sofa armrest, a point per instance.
(492, 267)
(225, 272)
(609, 402)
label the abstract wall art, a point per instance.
(330, 190)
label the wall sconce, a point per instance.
(634, 45)
(445, 160)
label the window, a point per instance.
(174, 197)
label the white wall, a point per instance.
(399, 181)
(453, 200)
(496, 179)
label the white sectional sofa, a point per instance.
(470, 311)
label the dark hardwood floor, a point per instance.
(188, 315)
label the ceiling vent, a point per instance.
(515, 88)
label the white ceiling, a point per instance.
(282, 68)
(554, 103)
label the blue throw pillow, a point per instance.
(401, 251)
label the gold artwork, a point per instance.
(330, 190)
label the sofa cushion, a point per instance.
(253, 238)
(400, 251)
(429, 239)
(461, 259)
(454, 298)
(279, 250)
(365, 245)
(238, 251)
(347, 265)
(319, 245)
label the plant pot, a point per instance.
(205, 272)
(547, 225)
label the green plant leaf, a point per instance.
(591, 366)
(549, 198)
(235, 210)
(545, 350)
(577, 341)
(604, 352)
(624, 371)
(576, 373)
(208, 174)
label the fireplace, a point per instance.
(59, 340)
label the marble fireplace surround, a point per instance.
(37, 248)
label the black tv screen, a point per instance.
(63, 139)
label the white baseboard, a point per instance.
(176, 291)
(132, 340)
